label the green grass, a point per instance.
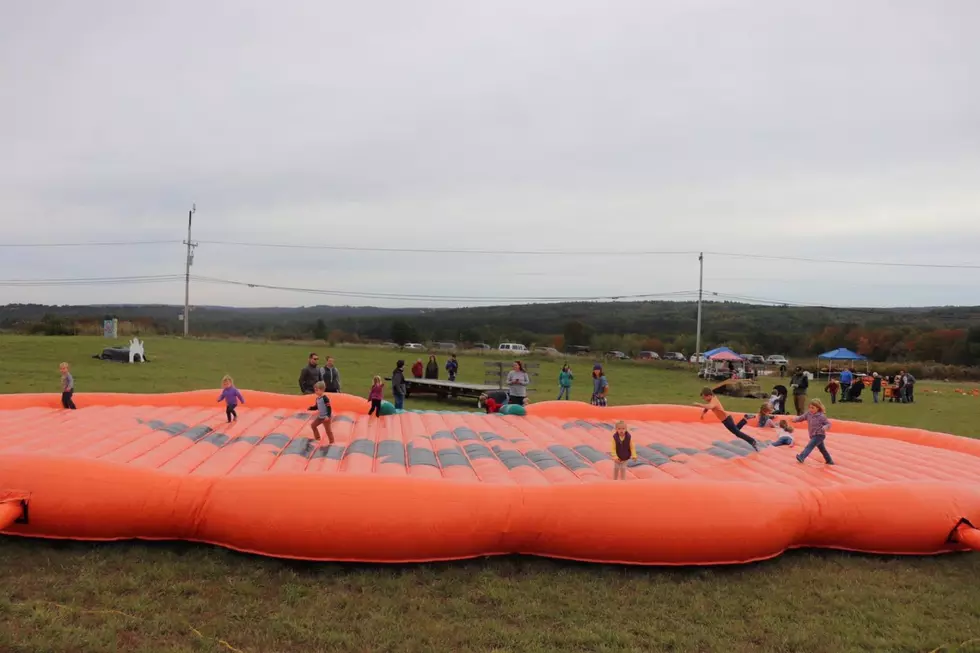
(182, 597)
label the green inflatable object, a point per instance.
(513, 409)
(388, 408)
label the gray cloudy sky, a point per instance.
(842, 130)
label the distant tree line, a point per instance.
(947, 335)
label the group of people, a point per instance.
(600, 384)
(849, 385)
(431, 369)
(623, 450)
(815, 417)
(319, 381)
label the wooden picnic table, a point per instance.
(446, 389)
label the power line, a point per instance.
(506, 252)
(583, 252)
(803, 259)
(759, 301)
(429, 250)
(126, 243)
(442, 298)
(82, 281)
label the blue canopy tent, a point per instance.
(717, 350)
(840, 354)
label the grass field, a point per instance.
(177, 597)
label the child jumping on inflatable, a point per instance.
(785, 438)
(764, 419)
(817, 424)
(67, 387)
(324, 412)
(622, 451)
(712, 404)
(376, 395)
(231, 396)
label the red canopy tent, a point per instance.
(726, 356)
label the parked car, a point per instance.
(512, 347)
(754, 358)
(482, 346)
(648, 356)
(392, 345)
(674, 356)
(547, 351)
(618, 355)
(444, 346)
(777, 359)
(577, 350)
(698, 358)
(414, 345)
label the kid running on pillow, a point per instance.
(817, 425)
(231, 396)
(712, 404)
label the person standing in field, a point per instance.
(398, 388)
(875, 386)
(909, 388)
(517, 382)
(800, 383)
(67, 387)
(565, 378)
(452, 367)
(832, 388)
(309, 375)
(846, 379)
(330, 376)
(600, 386)
(432, 368)
(417, 368)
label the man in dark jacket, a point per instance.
(330, 375)
(398, 389)
(800, 383)
(309, 375)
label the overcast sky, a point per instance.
(818, 129)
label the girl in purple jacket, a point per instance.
(818, 425)
(231, 396)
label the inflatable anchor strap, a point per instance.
(13, 508)
(966, 534)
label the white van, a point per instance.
(513, 348)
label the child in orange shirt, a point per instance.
(712, 404)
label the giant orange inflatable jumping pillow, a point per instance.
(421, 486)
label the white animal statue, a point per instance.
(136, 347)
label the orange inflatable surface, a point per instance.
(421, 486)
